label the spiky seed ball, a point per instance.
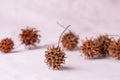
(54, 57)
(30, 36)
(6, 45)
(69, 41)
(114, 49)
(104, 42)
(91, 49)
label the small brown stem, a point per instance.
(18, 46)
(62, 26)
(115, 35)
(62, 34)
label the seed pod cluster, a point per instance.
(104, 42)
(114, 49)
(54, 57)
(69, 41)
(30, 36)
(91, 49)
(6, 45)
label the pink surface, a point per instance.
(87, 17)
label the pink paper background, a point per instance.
(88, 18)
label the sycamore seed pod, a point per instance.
(69, 41)
(54, 56)
(30, 36)
(104, 42)
(6, 45)
(91, 49)
(114, 49)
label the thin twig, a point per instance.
(115, 35)
(62, 26)
(62, 34)
(18, 46)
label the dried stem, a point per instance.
(115, 35)
(62, 34)
(18, 46)
(62, 26)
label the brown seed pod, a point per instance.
(114, 49)
(6, 45)
(30, 36)
(54, 57)
(104, 42)
(91, 49)
(69, 40)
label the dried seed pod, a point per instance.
(114, 49)
(6, 45)
(30, 36)
(104, 42)
(54, 57)
(69, 41)
(91, 49)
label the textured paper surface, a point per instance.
(88, 18)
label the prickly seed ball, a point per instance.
(55, 57)
(91, 49)
(114, 49)
(6, 45)
(104, 42)
(30, 36)
(69, 41)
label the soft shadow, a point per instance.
(68, 68)
(31, 48)
(15, 51)
(38, 47)
(75, 49)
